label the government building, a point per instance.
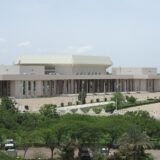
(56, 76)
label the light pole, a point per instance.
(117, 85)
(82, 92)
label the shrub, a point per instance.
(69, 103)
(77, 102)
(62, 104)
(97, 100)
(82, 96)
(131, 99)
(49, 111)
(92, 101)
(97, 110)
(118, 98)
(26, 107)
(109, 107)
(105, 99)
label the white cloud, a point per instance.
(24, 44)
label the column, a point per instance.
(72, 86)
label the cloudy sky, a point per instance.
(126, 30)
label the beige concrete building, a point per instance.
(54, 76)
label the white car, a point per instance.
(9, 146)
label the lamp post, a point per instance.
(82, 92)
(117, 85)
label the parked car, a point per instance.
(9, 144)
(104, 151)
(85, 154)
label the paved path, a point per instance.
(43, 152)
(155, 153)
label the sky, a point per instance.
(128, 31)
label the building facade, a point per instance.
(54, 76)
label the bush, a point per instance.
(97, 110)
(109, 107)
(92, 101)
(97, 100)
(118, 98)
(26, 107)
(62, 104)
(49, 111)
(131, 99)
(69, 103)
(77, 102)
(105, 99)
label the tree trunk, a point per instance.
(25, 151)
(52, 149)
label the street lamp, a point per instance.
(117, 85)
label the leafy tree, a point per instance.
(50, 140)
(59, 137)
(49, 110)
(25, 140)
(133, 143)
(82, 95)
(8, 104)
(68, 149)
(118, 98)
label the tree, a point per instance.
(49, 110)
(68, 149)
(50, 140)
(8, 104)
(82, 95)
(133, 143)
(25, 140)
(57, 138)
(118, 98)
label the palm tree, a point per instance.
(133, 143)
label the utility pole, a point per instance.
(117, 85)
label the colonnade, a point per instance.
(4, 88)
(59, 87)
(38, 88)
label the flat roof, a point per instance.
(65, 60)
